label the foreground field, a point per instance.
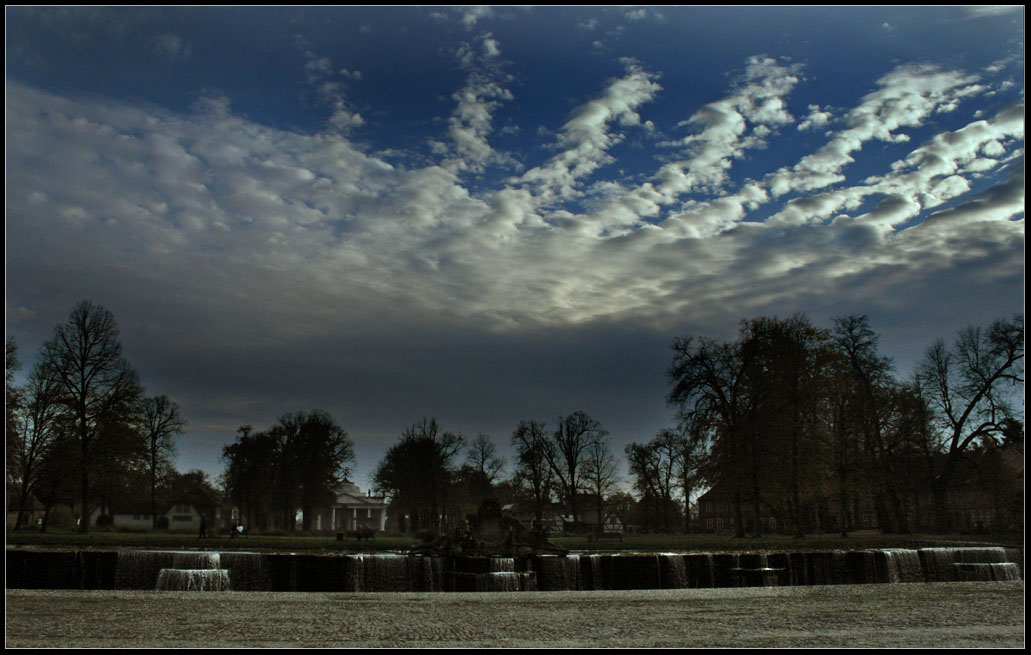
(967, 614)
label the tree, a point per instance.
(248, 479)
(787, 374)
(693, 442)
(39, 424)
(315, 457)
(654, 466)
(160, 422)
(573, 436)
(486, 466)
(533, 472)
(55, 478)
(417, 472)
(868, 451)
(97, 385)
(708, 387)
(12, 400)
(600, 476)
(968, 390)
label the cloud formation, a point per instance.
(266, 255)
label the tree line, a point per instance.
(791, 414)
(81, 428)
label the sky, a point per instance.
(494, 214)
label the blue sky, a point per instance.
(501, 213)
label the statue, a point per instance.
(491, 533)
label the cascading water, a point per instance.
(247, 571)
(170, 570)
(672, 571)
(1005, 571)
(557, 573)
(193, 580)
(901, 565)
(139, 569)
(132, 569)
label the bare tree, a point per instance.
(573, 436)
(97, 385)
(600, 476)
(968, 388)
(654, 466)
(532, 469)
(160, 422)
(482, 458)
(12, 399)
(709, 384)
(39, 424)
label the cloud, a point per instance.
(722, 135)
(172, 46)
(587, 136)
(471, 123)
(330, 91)
(906, 98)
(225, 218)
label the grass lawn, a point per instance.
(383, 543)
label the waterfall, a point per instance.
(1003, 571)
(981, 554)
(902, 565)
(388, 572)
(196, 560)
(673, 571)
(973, 572)
(426, 573)
(354, 573)
(701, 570)
(938, 564)
(193, 580)
(557, 573)
(247, 571)
(139, 569)
(502, 564)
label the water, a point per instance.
(247, 571)
(193, 580)
(585, 571)
(900, 565)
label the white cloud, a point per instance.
(906, 97)
(471, 123)
(228, 216)
(586, 137)
(172, 46)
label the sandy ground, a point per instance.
(967, 614)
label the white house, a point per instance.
(351, 510)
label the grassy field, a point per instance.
(384, 543)
(929, 615)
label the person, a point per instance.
(203, 527)
(239, 529)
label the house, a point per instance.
(352, 509)
(184, 514)
(34, 511)
(552, 522)
(716, 511)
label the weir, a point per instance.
(400, 572)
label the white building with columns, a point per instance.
(352, 510)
